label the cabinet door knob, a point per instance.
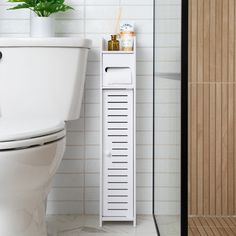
(108, 153)
(0, 55)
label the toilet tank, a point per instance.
(42, 77)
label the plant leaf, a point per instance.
(42, 8)
(19, 6)
(16, 1)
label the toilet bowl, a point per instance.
(41, 87)
(30, 153)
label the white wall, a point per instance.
(167, 145)
(76, 184)
(167, 108)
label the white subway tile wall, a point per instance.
(167, 144)
(167, 108)
(75, 188)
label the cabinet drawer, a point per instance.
(118, 70)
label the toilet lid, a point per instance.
(12, 129)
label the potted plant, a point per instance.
(42, 23)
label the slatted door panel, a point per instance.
(212, 107)
(118, 153)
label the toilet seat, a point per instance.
(25, 133)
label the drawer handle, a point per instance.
(116, 68)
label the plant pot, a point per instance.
(41, 27)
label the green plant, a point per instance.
(43, 8)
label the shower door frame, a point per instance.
(184, 116)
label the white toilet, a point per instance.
(41, 87)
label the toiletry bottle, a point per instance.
(127, 35)
(113, 44)
(127, 41)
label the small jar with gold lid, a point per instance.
(127, 41)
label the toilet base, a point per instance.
(26, 220)
(25, 178)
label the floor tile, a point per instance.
(88, 225)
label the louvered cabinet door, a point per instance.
(118, 153)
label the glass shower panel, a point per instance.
(167, 92)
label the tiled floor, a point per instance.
(88, 226)
(169, 225)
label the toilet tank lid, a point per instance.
(46, 42)
(12, 129)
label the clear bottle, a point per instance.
(127, 41)
(113, 44)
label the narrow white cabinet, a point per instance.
(118, 153)
(118, 139)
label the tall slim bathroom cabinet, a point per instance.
(117, 135)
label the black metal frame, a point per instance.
(184, 118)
